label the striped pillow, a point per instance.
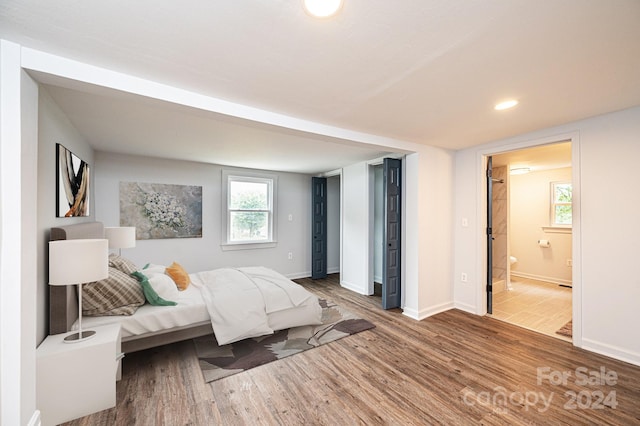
(123, 264)
(119, 294)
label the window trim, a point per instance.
(229, 176)
(552, 206)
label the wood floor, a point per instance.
(452, 368)
(536, 305)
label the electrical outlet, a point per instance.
(569, 262)
(463, 277)
(290, 256)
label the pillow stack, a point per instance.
(163, 284)
(150, 293)
(128, 287)
(118, 294)
(160, 283)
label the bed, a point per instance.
(236, 303)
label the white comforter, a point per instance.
(240, 300)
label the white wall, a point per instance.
(428, 237)
(426, 241)
(356, 263)
(18, 239)
(468, 232)
(378, 222)
(54, 127)
(333, 224)
(529, 200)
(606, 285)
(199, 254)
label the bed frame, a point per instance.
(63, 301)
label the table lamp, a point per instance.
(78, 262)
(120, 237)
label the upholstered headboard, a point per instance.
(63, 300)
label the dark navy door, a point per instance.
(319, 228)
(391, 258)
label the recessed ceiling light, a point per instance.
(506, 104)
(322, 8)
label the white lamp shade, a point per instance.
(121, 236)
(78, 261)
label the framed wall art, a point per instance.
(160, 210)
(72, 184)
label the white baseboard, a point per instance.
(411, 313)
(307, 274)
(35, 419)
(465, 307)
(296, 275)
(553, 280)
(611, 351)
(427, 312)
(354, 287)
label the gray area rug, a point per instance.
(217, 362)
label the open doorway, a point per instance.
(530, 275)
(378, 227)
(385, 224)
(326, 233)
(333, 224)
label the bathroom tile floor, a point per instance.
(536, 305)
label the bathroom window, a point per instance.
(561, 198)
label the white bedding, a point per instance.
(240, 306)
(241, 301)
(190, 310)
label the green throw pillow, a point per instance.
(149, 293)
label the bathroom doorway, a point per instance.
(529, 238)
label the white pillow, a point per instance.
(163, 285)
(152, 268)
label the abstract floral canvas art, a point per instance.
(161, 210)
(72, 183)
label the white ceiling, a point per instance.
(422, 71)
(118, 122)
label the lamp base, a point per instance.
(80, 336)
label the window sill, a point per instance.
(248, 246)
(557, 229)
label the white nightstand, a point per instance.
(77, 379)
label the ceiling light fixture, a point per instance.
(322, 8)
(520, 170)
(506, 104)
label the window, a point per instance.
(561, 197)
(250, 208)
